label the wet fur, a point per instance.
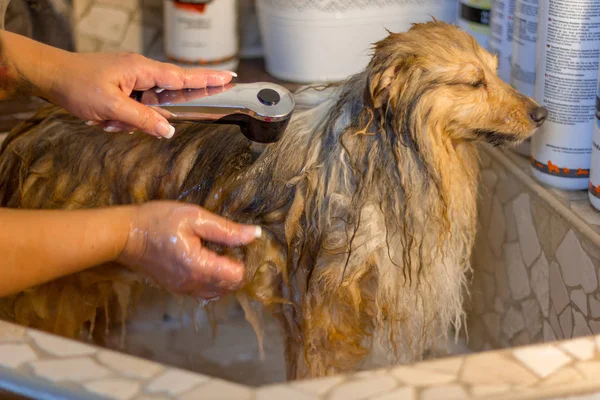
(368, 203)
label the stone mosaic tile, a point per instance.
(528, 238)
(579, 299)
(15, 355)
(11, 333)
(404, 393)
(175, 382)
(355, 390)
(107, 24)
(549, 335)
(555, 325)
(533, 316)
(493, 369)
(518, 279)
(318, 386)
(73, 369)
(489, 390)
(448, 392)
(220, 390)
(543, 360)
(60, 347)
(419, 377)
(594, 307)
(540, 272)
(286, 392)
(583, 349)
(128, 365)
(580, 325)
(115, 388)
(513, 322)
(576, 266)
(558, 290)
(566, 322)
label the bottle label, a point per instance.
(567, 73)
(594, 187)
(475, 19)
(522, 74)
(201, 32)
(501, 35)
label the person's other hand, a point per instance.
(96, 88)
(165, 244)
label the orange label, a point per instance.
(191, 7)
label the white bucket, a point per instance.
(328, 40)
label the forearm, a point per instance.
(26, 66)
(37, 246)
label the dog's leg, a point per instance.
(339, 315)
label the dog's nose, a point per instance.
(538, 115)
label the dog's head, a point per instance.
(438, 74)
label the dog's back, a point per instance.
(56, 161)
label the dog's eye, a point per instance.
(478, 84)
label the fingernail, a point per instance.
(232, 74)
(91, 123)
(258, 232)
(159, 90)
(111, 129)
(165, 130)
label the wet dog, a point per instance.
(368, 203)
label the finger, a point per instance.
(132, 113)
(115, 126)
(223, 272)
(220, 230)
(161, 111)
(173, 77)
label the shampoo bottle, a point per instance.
(568, 50)
(474, 18)
(202, 32)
(501, 35)
(522, 73)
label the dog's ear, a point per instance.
(379, 85)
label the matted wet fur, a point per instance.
(368, 203)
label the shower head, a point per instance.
(262, 110)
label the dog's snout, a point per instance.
(538, 115)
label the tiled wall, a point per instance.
(535, 261)
(118, 25)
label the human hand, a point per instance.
(165, 243)
(96, 87)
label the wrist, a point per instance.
(134, 241)
(31, 67)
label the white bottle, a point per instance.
(501, 35)
(594, 184)
(568, 50)
(202, 32)
(522, 73)
(474, 18)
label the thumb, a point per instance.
(220, 230)
(144, 118)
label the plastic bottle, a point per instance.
(501, 35)
(594, 184)
(474, 18)
(202, 32)
(568, 51)
(523, 62)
